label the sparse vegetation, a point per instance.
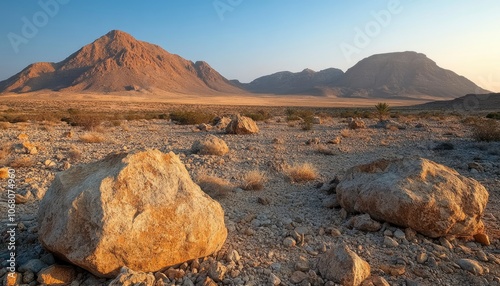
(486, 130)
(323, 149)
(345, 133)
(260, 115)
(5, 125)
(5, 151)
(493, 115)
(22, 162)
(254, 180)
(213, 186)
(382, 110)
(74, 153)
(191, 117)
(92, 137)
(302, 173)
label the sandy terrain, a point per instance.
(259, 221)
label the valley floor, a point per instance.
(256, 230)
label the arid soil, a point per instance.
(261, 223)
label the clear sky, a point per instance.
(245, 39)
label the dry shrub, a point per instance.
(210, 145)
(213, 186)
(92, 137)
(21, 162)
(254, 181)
(5, 125)
(486, 130)
(74, 153)
(302, 173)
(323, 149)
(345, 133)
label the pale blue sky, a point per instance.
(246, 39)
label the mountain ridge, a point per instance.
(119, 62)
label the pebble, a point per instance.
(389, 242)
(399, 234)
(422, 257)
(274, 280)
(471, 265)
(298, 276)
(289, 242)
(302, 264)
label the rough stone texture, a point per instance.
(210, 145)
(418, 193)
(139, 210)
(365, 223)
(128, 277)
(242, 125)
(341, 265)
(471, 266)
(57, 275)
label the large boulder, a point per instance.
(242, 125)
(417, 193)
(140, 210)
(210, 145)
(342, 265)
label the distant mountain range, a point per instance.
(117, 62)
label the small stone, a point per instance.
(12, 279)
(172, 273)
(217, 271)
(33, 265)
(28, 277)
(289, 242)
(233, 255)
(482, 256)
(379, 281)
(471, 265)
(422, 257)
(57, 275)
(48, 259)
(249, 231)
(410, 233)
(274, 280)
(389, 242)
(302, 264)
(393, 270)
(482, 238)
(335, 232)
(364, 223)
(263, 201)
(297, 277)
(444, 242)
(399, 234)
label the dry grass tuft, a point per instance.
(213, 186)
(302, 173)
(92, 137)
(323, 149)
(254, 181)
(21, 162)
(345, 133)
(486, 130)
(74, 153)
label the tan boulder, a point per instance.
(222, 123)
(414, 192)
(341, 265)
(242, 125)
(140, 210)
(210, 145)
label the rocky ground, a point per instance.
(276, 234)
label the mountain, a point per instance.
(285, 82)
(118, 62)
(404, 74)
(392, 75)
(467, 103)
